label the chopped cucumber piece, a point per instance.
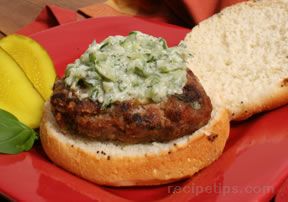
(105, 73)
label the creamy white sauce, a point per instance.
(121, 68)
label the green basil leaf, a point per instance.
(28, 144)
(15, 137)
(6, 115)
(9, 127)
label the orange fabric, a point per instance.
(182, 12)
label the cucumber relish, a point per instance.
(138, 66)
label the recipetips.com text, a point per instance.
(218, 188)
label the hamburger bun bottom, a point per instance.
(113, 164)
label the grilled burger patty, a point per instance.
(131, 121)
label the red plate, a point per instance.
(252, 167)
(282, 195)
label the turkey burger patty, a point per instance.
(130, 90)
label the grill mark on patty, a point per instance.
(147, 121)
(125, 106)
(190, 94)
(137, 118)
(130, 121)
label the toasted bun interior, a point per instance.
(240, 56)
(113, 164)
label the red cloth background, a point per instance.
(181, 12)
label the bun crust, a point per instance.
(136, 168)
